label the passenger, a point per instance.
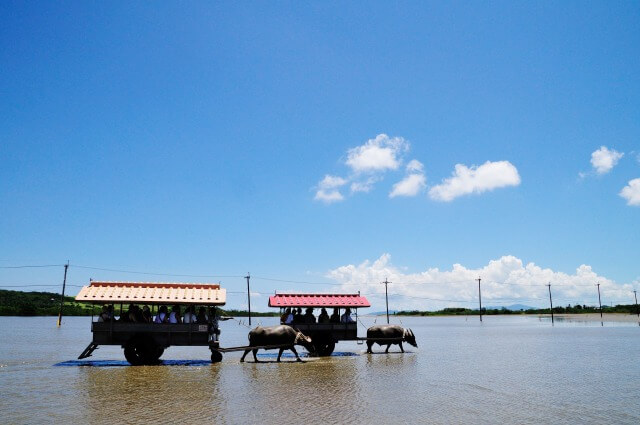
(289, 319)
(135, 314)
(308, 316)
(126, 316)
(146, 314)
(189, 315)
(324, 316)
(104, 315)
(215, 330)
(202, 318)
(162, 316)
(110, 311)
(285, 315)
(346, 317)
(174, 316)
(335, 316)
(297, 316)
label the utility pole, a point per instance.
(479, 297)
(64, 284)
(550, 303)
(600, 302)
(386, 296)
(637, 311)
(248, 276)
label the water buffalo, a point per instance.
(277, 335)
(384, 332)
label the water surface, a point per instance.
(506, 370)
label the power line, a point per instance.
(154, 273)
(31, 266)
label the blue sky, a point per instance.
(192, 138)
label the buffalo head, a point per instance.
(410, 337)
(305, 341)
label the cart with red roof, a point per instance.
(324, 335)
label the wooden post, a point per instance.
(637, 311)
(386, 296)
(479, 297)
(600, 302)
(248, 276)
(64, 284)
(550, 303)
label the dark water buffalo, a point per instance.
(384, 332)
(277, 335)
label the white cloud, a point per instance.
(328, 189)
(415, 166)
(413, 183)
(505, 281)
(603, 159)
(331, 182)
(467, 180)
(631, 192)
(377, 155)
(328, 196)
(367, 163)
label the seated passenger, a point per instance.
(346, 317)
(104, 315)
(290, 317)
(335, 316)
(174, 316)
(308, 316)
(324, 316)
(297, 315)
(126, 316)
(283, 318)
(146, 314)
(162, 316)
(135, 314)
(189, 315)
(202, 318)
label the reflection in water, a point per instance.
(151, 394)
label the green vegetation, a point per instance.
(577, 309)
(18, 303)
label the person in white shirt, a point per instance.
(174, 316)
(189, 315)
(161, 317)
(346, 317)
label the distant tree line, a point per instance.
(18, 303)
(575, 309)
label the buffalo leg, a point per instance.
(280, 353)
(401, 349)
(369, 345)
(387, 350)
(255, 355)
(244, 355)
(298, 359)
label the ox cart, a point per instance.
(144, 333)
(324, 335)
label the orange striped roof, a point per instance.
(153, 293)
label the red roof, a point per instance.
(318, 300)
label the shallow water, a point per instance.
(505, 370)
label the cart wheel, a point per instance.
(325, 349)
(216, 356)
(142, 351)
